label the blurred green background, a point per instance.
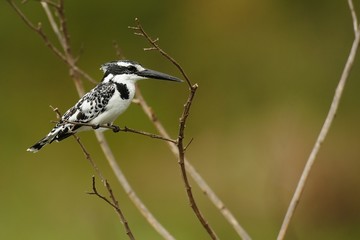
(267, 71)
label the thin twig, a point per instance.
(116, 128)
(52, 22)
(141, 32)
(188, 144)
(353, 15)
(64, 30)
(51, 3)
(114, 203)
(38, 30)
(323, 133)
(183, 118)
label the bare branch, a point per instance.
(188, 144)
(322, 135)
(95, 192)
(150, 49)
(64, 30)
(53, 23)
(353, 15)
(38, 30)
(64, 41)
(50, 3)
(115, 129)
(114, 204)
(141, 32)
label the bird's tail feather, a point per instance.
(46, 140)
(56, 134)
(37, 146)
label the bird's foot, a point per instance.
(115, 128)
(95, 126)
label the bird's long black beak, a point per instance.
(148, 73)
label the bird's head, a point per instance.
(125, 70)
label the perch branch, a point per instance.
(116, 128)
(324, 130)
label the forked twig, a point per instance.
(324, 130)
(114, 203)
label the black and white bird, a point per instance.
(104, 103)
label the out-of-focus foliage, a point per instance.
(267, 71)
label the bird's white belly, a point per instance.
(114, 108)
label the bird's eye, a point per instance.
(132, 68)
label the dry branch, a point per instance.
(325, 128)
(116, 128)
(114, 203)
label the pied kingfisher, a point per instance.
(105, 102)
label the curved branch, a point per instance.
(323, 133)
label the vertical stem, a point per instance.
(323, 133)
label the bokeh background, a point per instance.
(267, 72)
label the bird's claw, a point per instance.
(115, 128)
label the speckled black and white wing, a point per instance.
(91, 105)
(86, 110)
